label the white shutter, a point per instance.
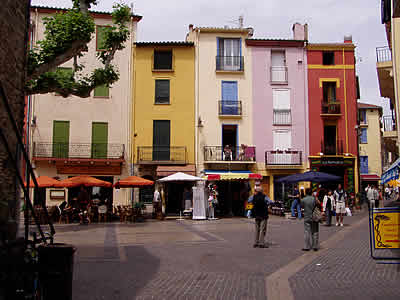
(282, 141)
(281, 98)
(278, 58)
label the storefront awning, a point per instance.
(392, 173)
(212, 175)
(370, 177)
(163, 171)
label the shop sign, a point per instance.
(386, 228)
(332, 162)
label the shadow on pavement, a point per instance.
(117, 279)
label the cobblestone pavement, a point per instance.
(215, 260)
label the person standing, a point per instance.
(328, 205)
(296, 203)
(156, 202)
(340, 204)
(311, 228)
(260, 213)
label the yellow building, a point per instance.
(370, 143)
(163, 110)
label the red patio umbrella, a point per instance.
(84, 180)
(44, 182)
(133, 181)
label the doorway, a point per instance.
(330, 140)
(229, 137)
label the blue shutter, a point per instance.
(229, 98)
(364, 135)
(364, 164)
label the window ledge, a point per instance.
(229, 71)
(163, 70)
(156, 103)
(101, 97)
(282, 124)
(364, 125)
(279, 82)
(230, 116)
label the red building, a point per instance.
(332, 96)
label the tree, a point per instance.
(66, 37)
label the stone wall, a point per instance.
(14, 16)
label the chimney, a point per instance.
(190, 27)
(348, 39)
(300, 32)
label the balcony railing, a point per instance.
(219, 153)
(383, 54)
(162, 155)
(388, 123)
(282, 117)
(283, 158)
(229, 63)
(330, 108)
(279, 74)
(333, 148)
(78, 150)
(230, 108)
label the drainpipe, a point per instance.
(306, 111)
(197, 96)
(395, 77)
(130, 114)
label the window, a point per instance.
(282, 142)
(162, 60)
(278, 67)
(328, 58)
(100, 37)
(60, 139)
(364, 164)
(101, 91)
(329, 91)
(229, 55)
(229, 104)
(363, 116)
(162, 91)
(363, 137)
(281, 104)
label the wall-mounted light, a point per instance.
(200, 122)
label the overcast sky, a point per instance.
(328, 21)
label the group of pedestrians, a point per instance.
(328, 202)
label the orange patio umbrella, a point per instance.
(132, 181)
(84, 180)
(44, 182)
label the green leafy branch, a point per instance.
(66, 37)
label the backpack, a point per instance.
(259, 207)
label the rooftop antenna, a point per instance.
(132, 7)
(238, 22)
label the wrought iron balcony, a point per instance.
(78, 150)
(279, 75)
(330, 108)
(283, 158)
(219, 153)
(282, 117)
(230, 108)
(388, 123)
(383, 54)
(229, 63)
(162, 155)
(328, 148)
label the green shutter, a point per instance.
(100, 37)
(60, 139)
(161, 139)
(101, 91)
(99, 139)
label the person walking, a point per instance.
(311, 228)
(340, 204)
(260, 213)
(328, 205)
(296, 203)
(372, 195)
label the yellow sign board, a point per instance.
(386, 229)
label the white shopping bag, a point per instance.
(348, 212)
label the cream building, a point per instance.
(73, 136)
(223, 97)
(370, 143)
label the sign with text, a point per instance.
(386, 228)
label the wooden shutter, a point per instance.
(101, 91)
(99, 140)
(162, 91)
(161, 139)
(60, 139)
(281, 98)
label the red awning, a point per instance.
(370, 177)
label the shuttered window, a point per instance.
(364, 164)
(363, 137)
(162, 91)
(101, 91)
(100, 37)
(162, 60)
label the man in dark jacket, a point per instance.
(260, 213)
(311, 228)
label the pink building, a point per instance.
(280, 107)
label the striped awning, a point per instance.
(214, 175)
